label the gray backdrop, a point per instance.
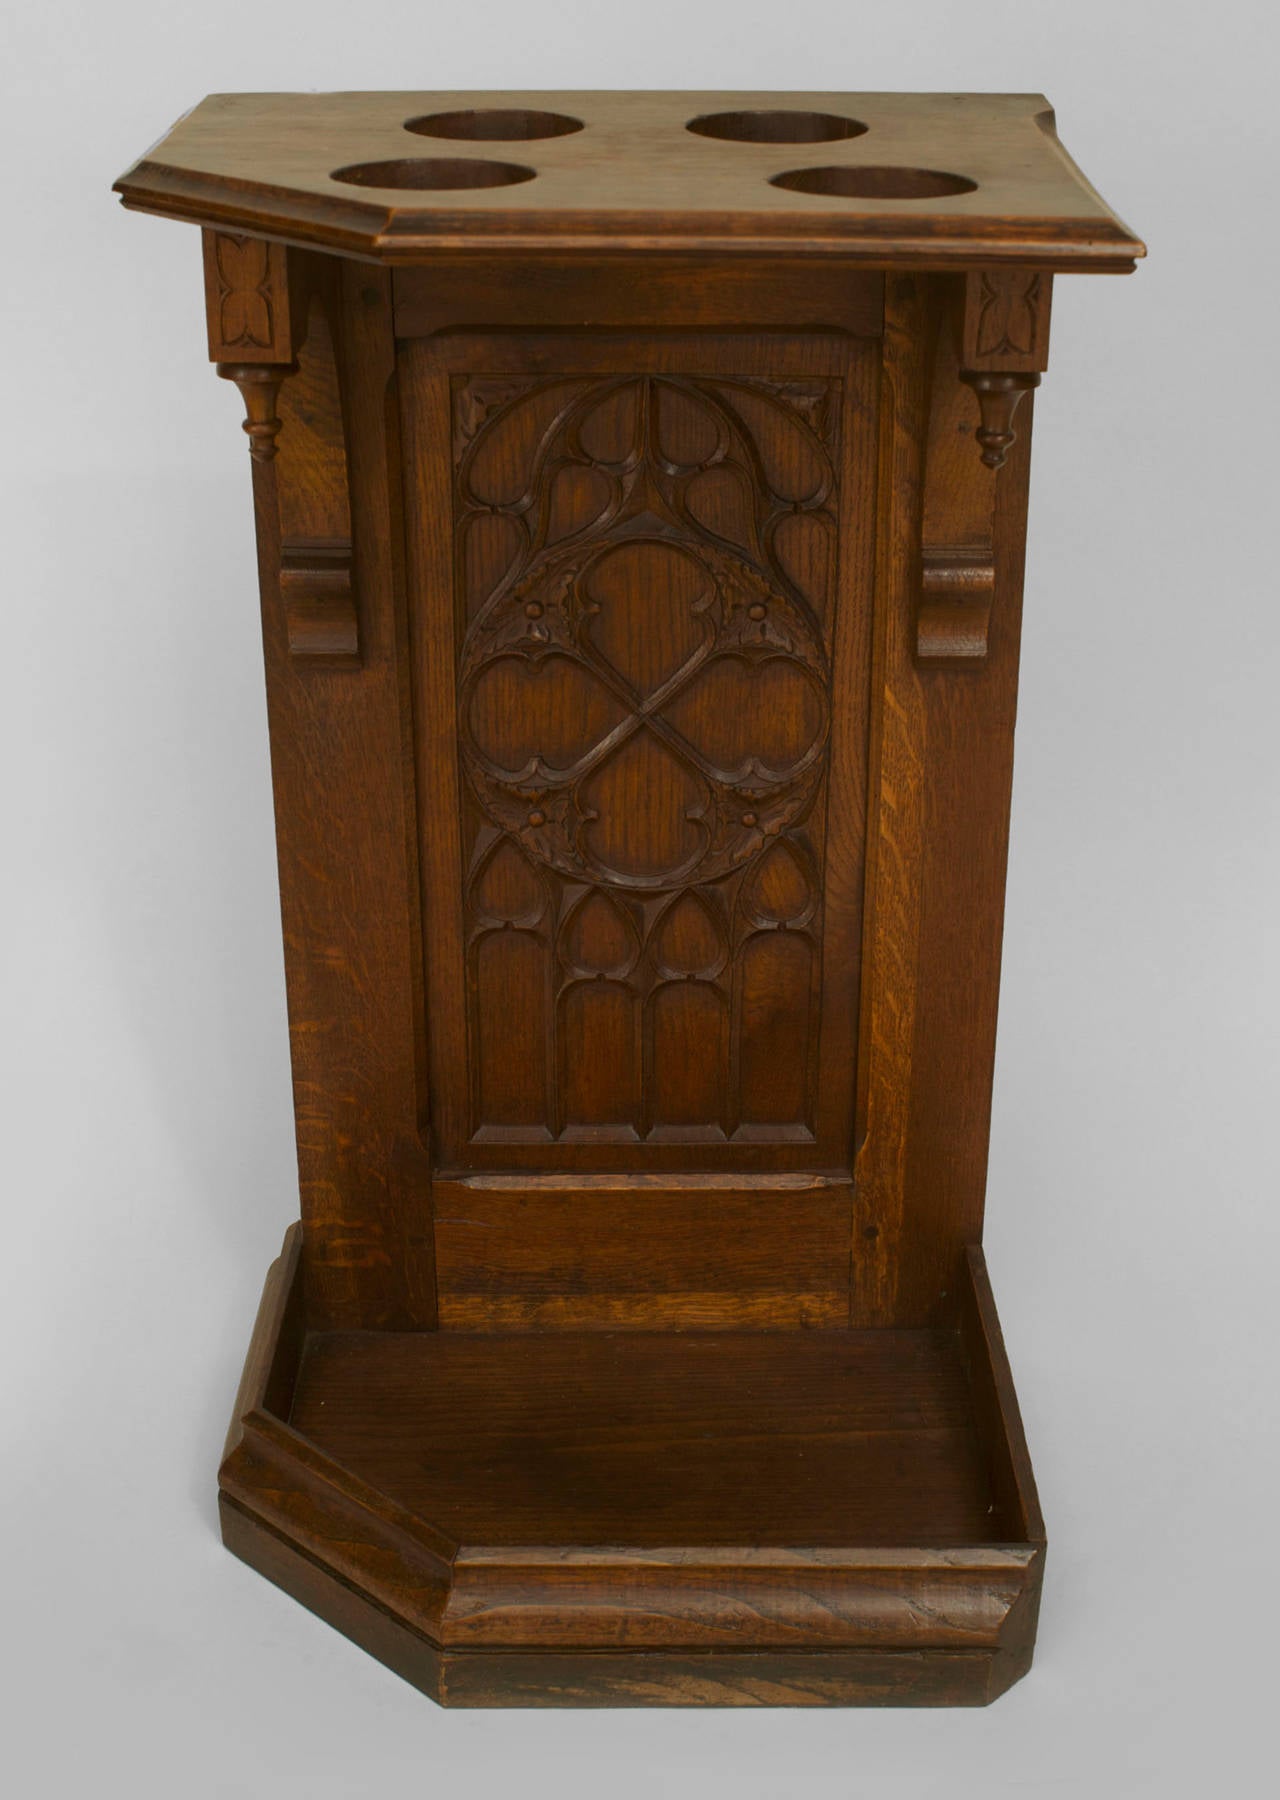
(1132, 1214)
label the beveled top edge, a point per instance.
(957, 1559)
(634, 179)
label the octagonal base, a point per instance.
(644, 1518)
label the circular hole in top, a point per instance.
(783, 126)
(438, 174)
(496, 125)
(874, 183)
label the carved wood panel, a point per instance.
(246, 299)
(646, 564)
(1005, 324)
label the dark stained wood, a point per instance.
(270, 1371)
(636, 178)
(318, 599)
(317, 584)
(604, 1476)
(246, 299)
(1004, 345)
(259, 385)
(942, 761)
(641, 491)
(693, 1251)
(804, 1678)
(659, 839)
(969, 727)
(1005, 326)
(345, 835)
(275, 1555)
(650, 1438)
(996, 1411)
(617, 293)
(895, 828)
(841, 1677)
(999, 396)
(957, 551)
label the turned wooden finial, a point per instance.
(998, 397)
(259, 384)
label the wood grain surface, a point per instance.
(587, 1512)
(934, 179)
(640, 485)
(651, 1438)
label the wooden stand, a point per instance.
(640, 485)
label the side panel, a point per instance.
(345, 828)
(941, 776)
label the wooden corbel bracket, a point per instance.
(267, 327)
(319, 600)
(958, 583)
(1004, 348)
(996, 347)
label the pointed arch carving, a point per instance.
(644, 719)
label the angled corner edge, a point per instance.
(274, 1481)
(1117, 236)
(996, 1395)
(279, 1311)
(1015, 1651)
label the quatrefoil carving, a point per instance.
(642, 702)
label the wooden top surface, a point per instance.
(921, 179)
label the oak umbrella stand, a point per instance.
(640, 485)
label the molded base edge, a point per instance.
(914, 1626)
(618, 1677)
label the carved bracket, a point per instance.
(268, 322)
(997, 345)
(319, 600)
(1004, 348)
(1006, 319)
(246, 293)
(958, 584)
(251, 336)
